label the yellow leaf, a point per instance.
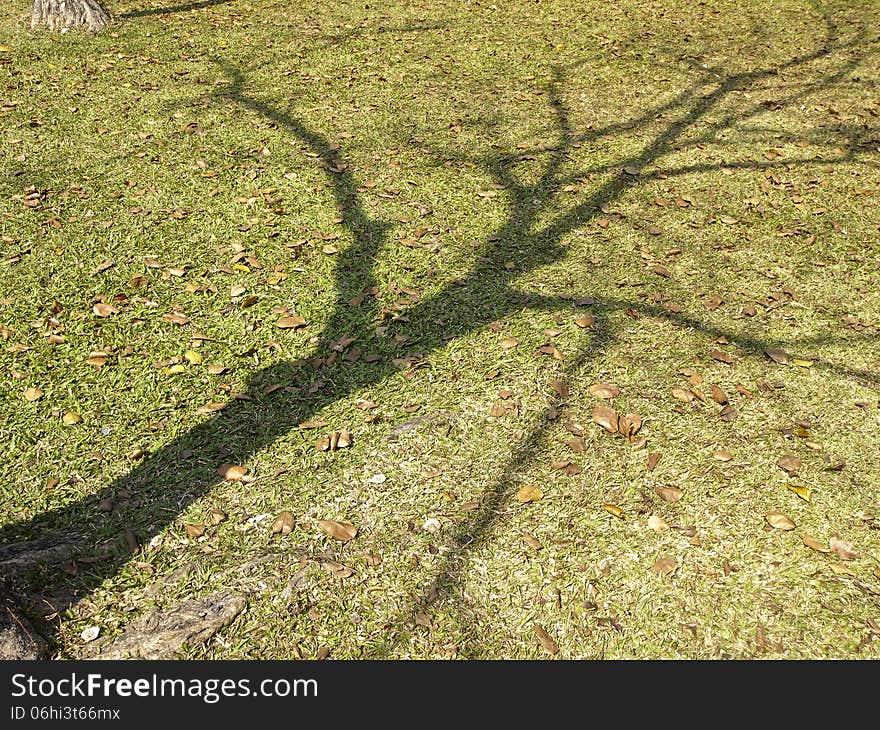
(613, 509)
(841, 569)
(657, 524)
(802, 363)
(32, 394)
(805, 493)
(193, 357)
(71, 418)
(5, 49)
(779, 521)
(529, 494)
(175, 369)
(232, 472)
(241, 267)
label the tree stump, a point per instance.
(69, 14)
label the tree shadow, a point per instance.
(151, 495)
(171, 9)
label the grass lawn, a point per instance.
(379, 265)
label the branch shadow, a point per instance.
(151, 495)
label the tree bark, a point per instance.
(68, 14)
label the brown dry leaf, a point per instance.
(283, 524)
(657, 524)
(722, 455)
(721, 356)
(653, 459)
(102, 309)
(195, 530)
(629, 425)
(338, 570)
(508, 343)
(176, 318)
(844, 550)
(728, 413)
(529, 494)
(561, 388)
(613, 509)
(664, 566)
(218, 516)
(530, 540)
(777, 355)
(578, 445)
(789, 463)
(71, 418)
(585, 320)
(342, 531)
(805, 493)
(682, 394)
(606, 417)
(604, 390)
(779, 521)
(669, 494)
(211, 407)
(32, 394)
(290, 323)
(550, 646)
(232, 472)
(343, 440)
(216, 369)
(718, 395)
(814, 544)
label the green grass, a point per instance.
(492, 170)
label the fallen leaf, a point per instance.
(722, 455)
(290, 323)
(529, 494)
(91, 633)
(613, 509)
(653, 459)
(805, 493)
(283, 524)
(789, 463)
(342, 531)
(508, 343)
(840, 569)
(71, 418)
(669, 494)
(212, 407)
(338, 570)
(802, 363)
(779, 521)
(721, 356)
(728, 413)
(531, 541)
(682, 394)
(604, 390)
(778, 356)
(814, 544)
(195, 530)
(585, 320)
(32, 394)
(546, 640)
(629, 425)
(657, 524)
(718, 395)
(216, 369)
(176, 318)
(843, 550)
(193, 357)
(664, 566)
(606, 417)
(232, 472)
(102, 309)
(218, 516)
